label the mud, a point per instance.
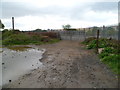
(67, 64)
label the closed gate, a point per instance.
(72, 35)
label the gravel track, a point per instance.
(67, 64)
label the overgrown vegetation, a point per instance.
(16, 37)
(109, 54)
(91, 42)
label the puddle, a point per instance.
(17, 61)
(1, 51)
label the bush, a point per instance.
(6, 34)
(102, 55)
(109, 50)
(101, 44)
(16, 39)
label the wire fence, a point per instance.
(104, 32)
(72, 35)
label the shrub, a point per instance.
(6, 33)
(101, 44)
(102, 55)
(109, 50)
(16, 39)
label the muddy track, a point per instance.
(68, 65)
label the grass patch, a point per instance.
(113, 62)
(110, 53)
(11, 37)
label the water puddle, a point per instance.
(17, 61)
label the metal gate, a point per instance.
(72, 35)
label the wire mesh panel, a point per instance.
(72, 35)
(106, 32)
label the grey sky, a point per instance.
(90, 12)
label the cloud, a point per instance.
(19, 9)
(55, 13)
(10, 9)
(105, 6)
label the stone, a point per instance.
(100, 50)
(10, 80)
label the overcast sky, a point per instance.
(52, 14)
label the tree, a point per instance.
(37, 30)
(66, 26)
(1, 25)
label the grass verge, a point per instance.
(108, 52)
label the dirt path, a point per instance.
(68, 65)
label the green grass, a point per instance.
(91, 44)
(0, 42)
(109, 55)
(18, 38)
(113, 62)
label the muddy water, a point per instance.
(17, 61)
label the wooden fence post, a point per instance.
(13, 23)
(84, 34)
(97, 41)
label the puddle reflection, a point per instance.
(17, 61)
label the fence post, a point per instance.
(13, 23)
(97, 41)
(84, 34)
